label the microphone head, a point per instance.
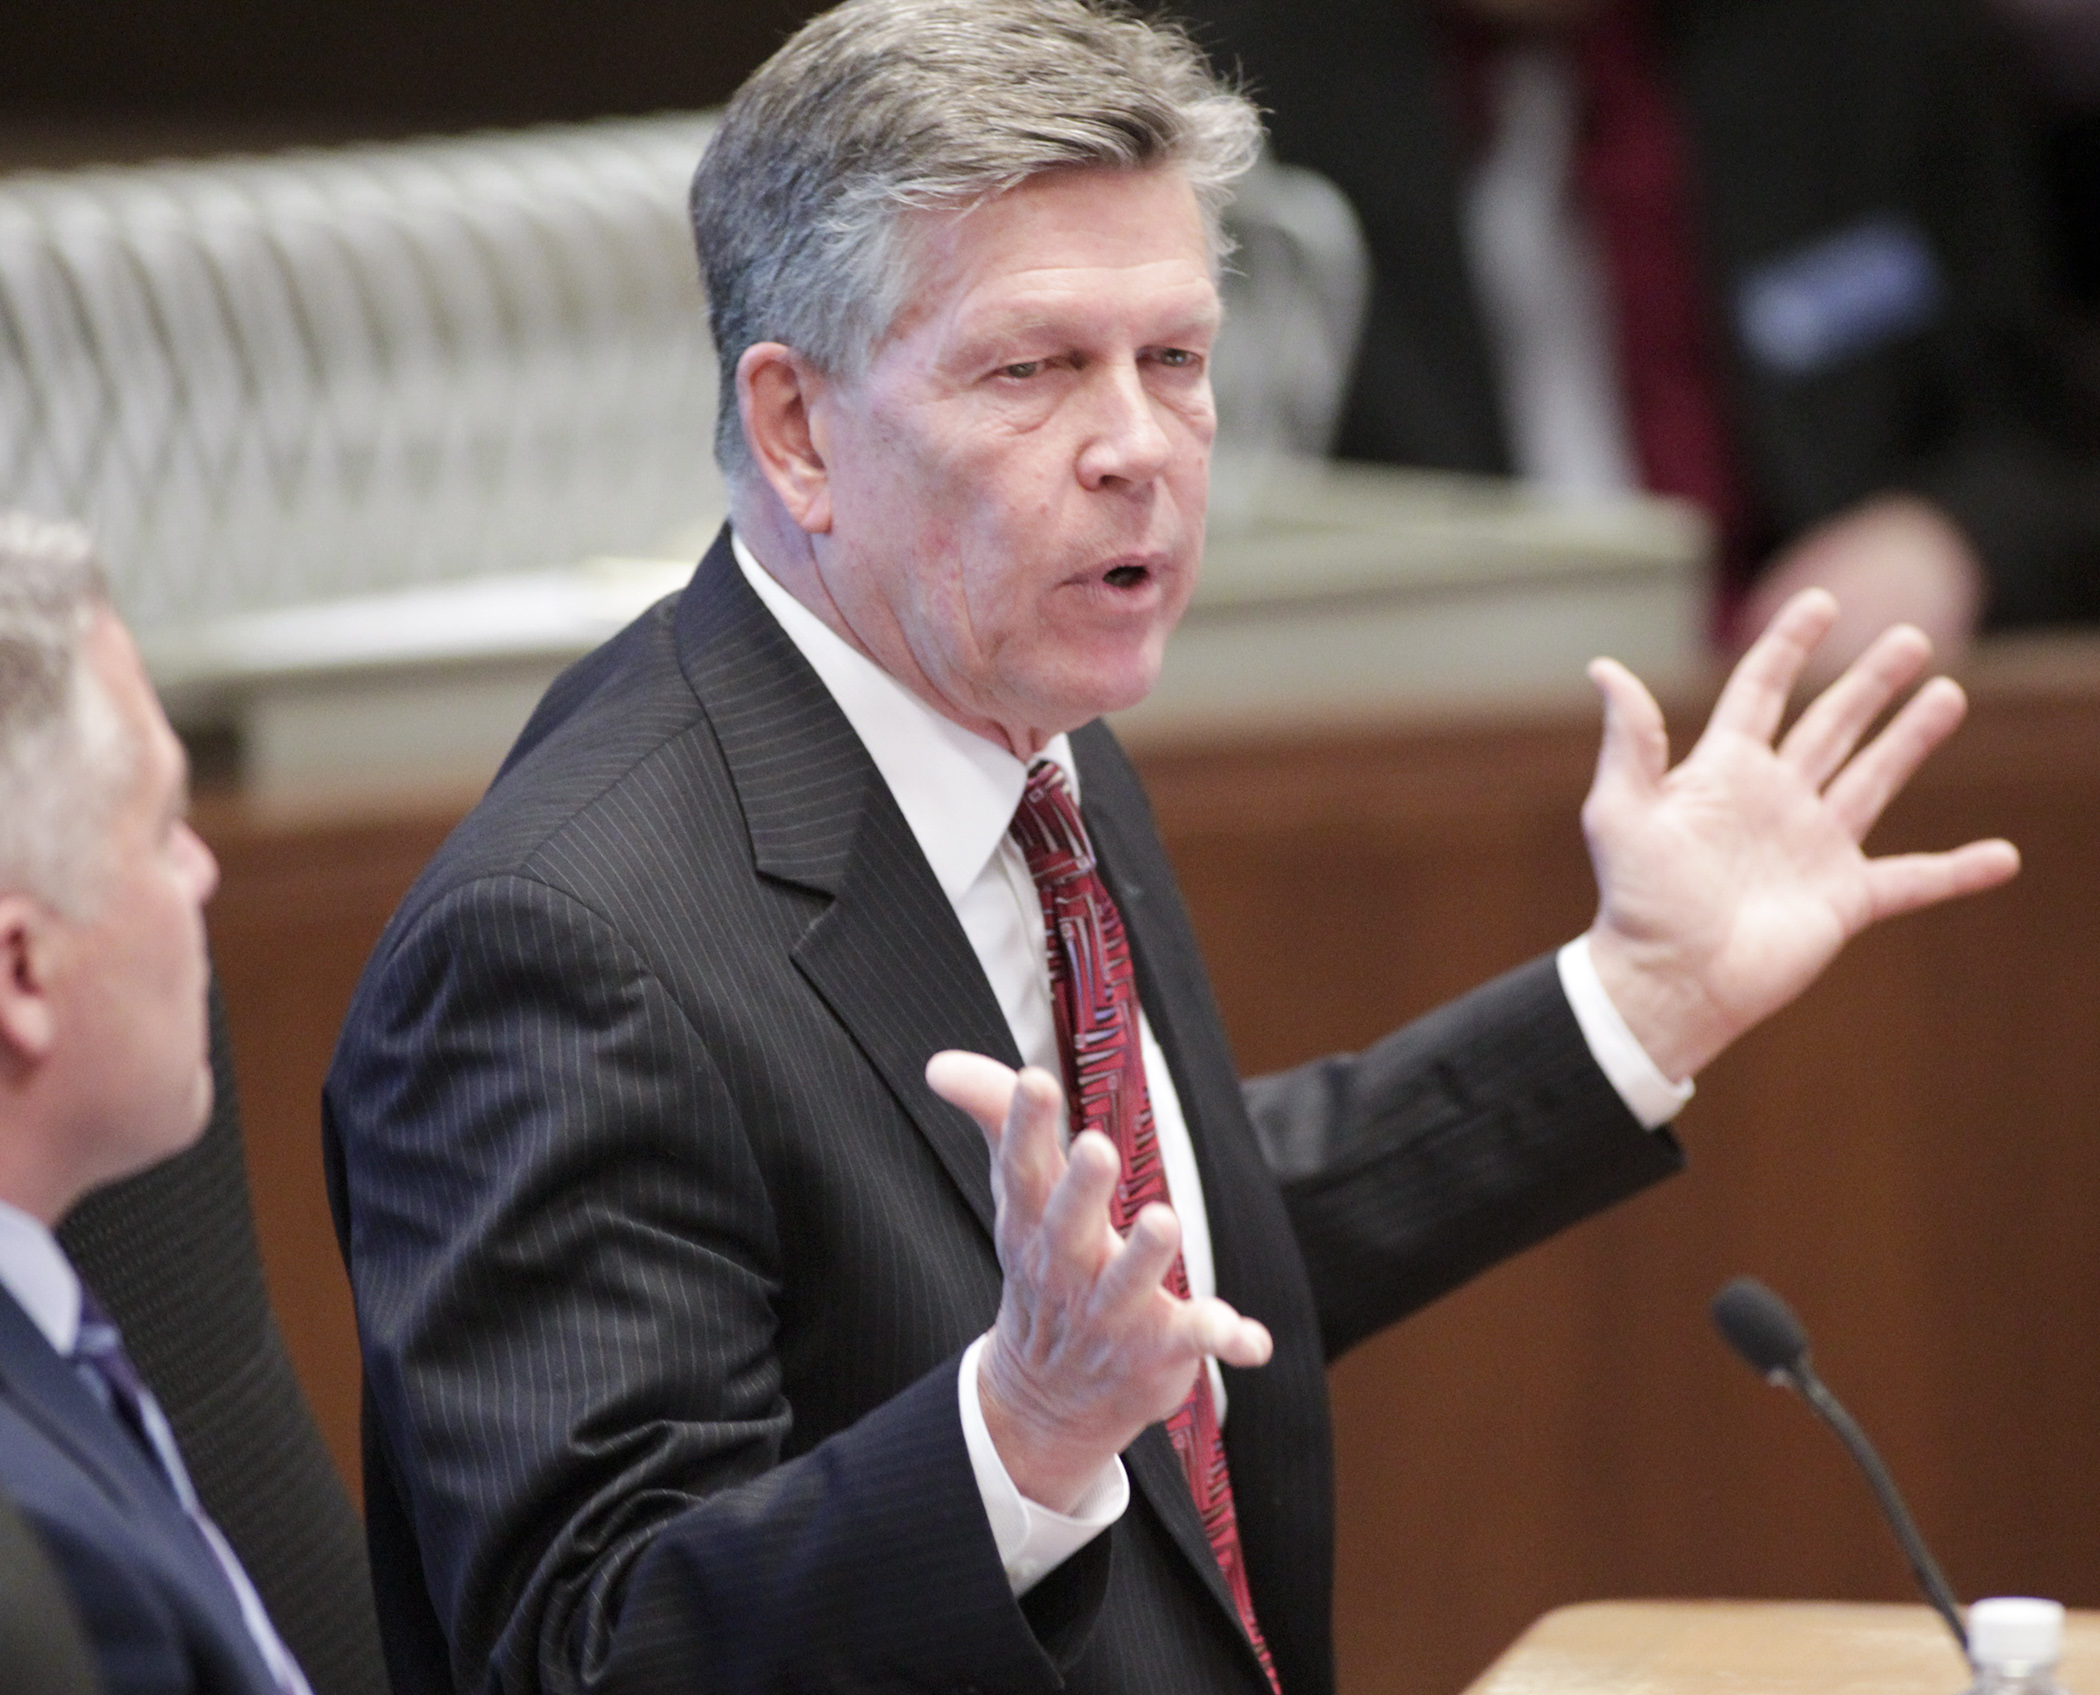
(1761, 1327)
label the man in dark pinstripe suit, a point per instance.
(706, 1346)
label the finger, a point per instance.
(1221, 1331)
(1754, 698)
(982, 1087)
(1030, 1152)
(1076, 1227)
(1859, 793)
(1635, 753)
(1825, 735)
(1906, 881)
(1141, 1262)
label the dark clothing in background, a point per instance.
(1811, 124)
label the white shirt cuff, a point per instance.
(1032, 1540)
(1649, 1095)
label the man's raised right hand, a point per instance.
(1089, 1346)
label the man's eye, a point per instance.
(1021, 370)
(1178, 358)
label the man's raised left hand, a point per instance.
(1727, 884)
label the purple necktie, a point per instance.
(99, 1358)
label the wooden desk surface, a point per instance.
(1736, 1647)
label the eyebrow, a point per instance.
(991, 338)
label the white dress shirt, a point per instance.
(958, 793)
(1539, 277)
(34, 1269)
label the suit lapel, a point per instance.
(886, 954)
(43, 1388)
(1277, 1430)
(50, 1396)
(892, 963)
(1156, 1470)
(1153, 1464)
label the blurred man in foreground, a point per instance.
(1782, 260)
(104, 1070)
(706, 1346)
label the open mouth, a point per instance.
(1126, 576)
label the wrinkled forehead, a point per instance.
(1098, 239)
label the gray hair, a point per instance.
(63, 746)
(878, 107)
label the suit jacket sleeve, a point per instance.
(1471, 1134)
(1465, 1137)
(568, 1270)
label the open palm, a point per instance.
(1726, 884)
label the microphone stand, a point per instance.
(1923, 1567)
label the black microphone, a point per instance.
(1758, 1325)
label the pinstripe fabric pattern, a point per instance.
(664, 1253)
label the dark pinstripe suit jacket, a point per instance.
(664, 1254)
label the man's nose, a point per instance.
(204, 864)
(1127, 442)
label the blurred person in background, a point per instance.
(104, 1071)
(1781, 259)
(2060, 49)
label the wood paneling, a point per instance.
(1909, 1154)
(301, 900)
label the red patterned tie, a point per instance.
(1638, 182)
(1636, 171)
(1094, 995)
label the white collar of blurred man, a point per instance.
(104, 1039)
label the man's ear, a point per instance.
(28, 1015)
(776, 390)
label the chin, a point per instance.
(1100, 693)
(194, 1116)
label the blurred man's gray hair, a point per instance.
(63, 746)
(878, 107)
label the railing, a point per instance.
(281, 380)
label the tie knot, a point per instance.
(98, 1331)
(1047, 825)
(100, 1346)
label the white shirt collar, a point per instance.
(34, 1269)
(957, 790)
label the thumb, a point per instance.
(1635, 753)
